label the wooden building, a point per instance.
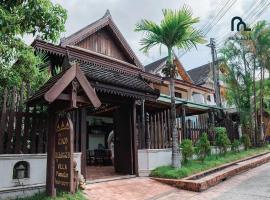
(101, 75)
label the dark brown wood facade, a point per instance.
(100, 73)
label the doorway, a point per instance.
(109, 142)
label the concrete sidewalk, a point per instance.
(251, 185)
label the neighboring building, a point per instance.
(203, 76)
(185, 87)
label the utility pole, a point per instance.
(215, 70)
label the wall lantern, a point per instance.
(21, 170)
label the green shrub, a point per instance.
(246, 141)
(236, 146)
(222, 140)
(187, 149)
(203, 148)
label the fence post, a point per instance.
(143, 125)
(10, 132)
(148, 141)
(183, 118)
(3, 121)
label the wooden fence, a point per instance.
(158, 134)
(24, 129)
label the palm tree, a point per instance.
(174, 31)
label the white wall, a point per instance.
(149, 159)
(37, 178)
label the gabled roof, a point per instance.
(200, 74)
(160, 64)
(105, 21)
(155, 65)
(101, 78)
(57, 84)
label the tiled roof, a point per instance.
(115, 78)
(200, 74)
(154, 65)
(105, 80)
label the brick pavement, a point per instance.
(253, 184)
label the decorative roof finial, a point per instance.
(107, 13)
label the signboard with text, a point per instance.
(64, 154)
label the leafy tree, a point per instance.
(203, 147)
(174, 31)
(18, 61)
(243, 59)
(187, 149)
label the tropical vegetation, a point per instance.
(19, 63)
(245, 60)
(211, 161)
(60, 196)
(175, 31)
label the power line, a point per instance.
(253, 15)
(207, 28)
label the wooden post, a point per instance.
(143, 125)
(148, 140)
(3, 121)
(135, 135)
(183, 118)
(50, 178)
(83, 141)
(10, 132)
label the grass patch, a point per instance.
(196, 166)
(60, 196)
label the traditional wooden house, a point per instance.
(109, 92)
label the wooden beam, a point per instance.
(88, 89)
(80, 99)
(60, 85)
(74, 94)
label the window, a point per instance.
(178, 94)
(21, 170)
(208, 98)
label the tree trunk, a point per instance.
(261, 105)
(175, 150)
(254, 101)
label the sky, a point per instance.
(126, 13)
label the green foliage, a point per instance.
(246, 141)
(235, 146)
(60, 196)
(222, 140)
(203, 148)
(187, 149)
(241, 61)
(174, 31)
(195, 166)
(18, 61)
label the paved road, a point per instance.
(251, 185)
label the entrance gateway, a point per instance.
(103, 84)
(73, 92)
